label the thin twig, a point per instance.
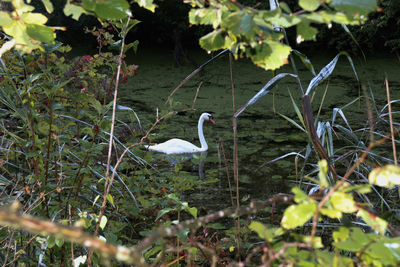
(391, 127)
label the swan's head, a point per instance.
(207, 117)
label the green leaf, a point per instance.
(387, 176)
(271, 55)
(297, 215)
(110, 199)
(332, 213)
(21, 6)
(322, 174)
(41, 33)
(205, 16)
(316, 241)
(213, 41)
(163, 212)
(59, 242)
(306, 61)
(376, 223)
(305, 32)
(43, 127)
(89, 5)
(148, 4)
(113, 9)
(240, 23)
(264, 232)
(309, 5)
(193, 212)
(299, 195)
(5, 19)
(343, 202)
(51, 241)
(341, 235)
(48, 5)
(74, 10)
(103, 222)
(354, 7)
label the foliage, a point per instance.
(55, 122)
(257, 33)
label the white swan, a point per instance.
(179, 146)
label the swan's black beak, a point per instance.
(212, 120)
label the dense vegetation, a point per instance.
(78, 186)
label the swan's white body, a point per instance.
(179, 146)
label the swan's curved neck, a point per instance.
(203, 142)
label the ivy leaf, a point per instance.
(354, 7)
(271, 55)
(5, 19)
(341, 235)
(297, 215)
(41, 33)
(343, 202)
(309, 5)
(51, 241)
(113, 9)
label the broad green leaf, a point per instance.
(163, 212)
(89, 5)
(59, 242)
(343, 202)
(316, 241)
(297, 215)
(41, 33)
(21, 7)
(193, 212)
(305, 32)
(299, 195)
(271, 55)
(354, 7)
(43, 127)
(74, 10)
(51, 241)
(386, 176)
(331, 213)
(113, 9)
(240, 23)
(18, 30)
(103, 222)
(276, 18)
(341, 235)
(264, 232)
(213, 41)
(48, 5)
(309, 5)
(205, 16)
(5, 19)
(376, 223)
(148, 4)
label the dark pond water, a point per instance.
(262, 133)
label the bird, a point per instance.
(179, 146)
